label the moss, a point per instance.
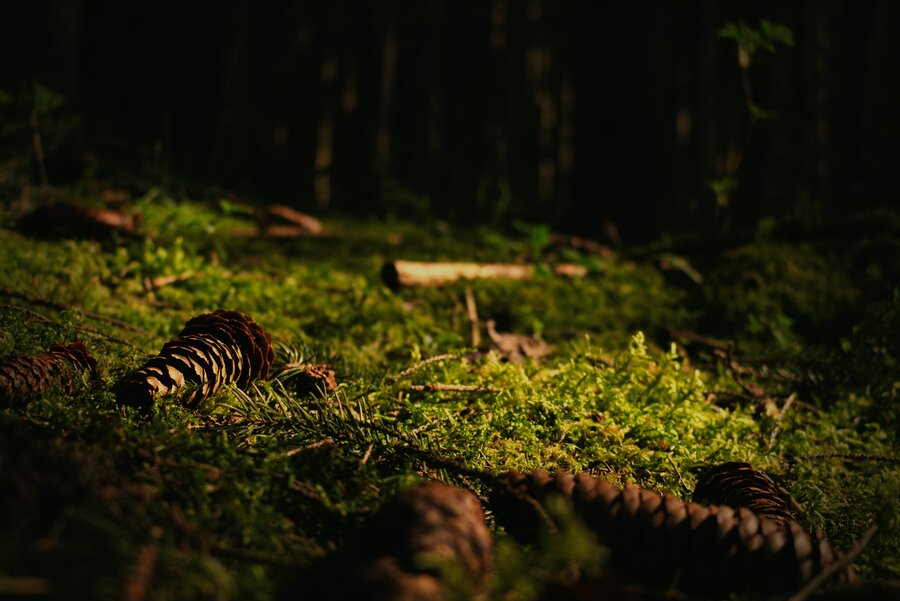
(231, 494)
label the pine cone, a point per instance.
(658, 539)
(402, 548)
(309, 379)
(739, 485)
(213, 349)
(25, 378)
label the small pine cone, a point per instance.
(26, 378)
(655, 539)
(401, 551)
(213, 350)
(310, 379)
(738, 485)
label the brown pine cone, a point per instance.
(309, 379)
(213, 350)
(738, 485)
(659, 540)
(25, 378)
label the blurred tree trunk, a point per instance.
(496, 122)
(540, 71)
(384, 132)
(328, 99)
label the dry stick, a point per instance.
(366, 455)
(855, 456)
(833, 568)
(472, 311)
(420, 365)
(45, 320)
(678, 473)
(787, 405)
(4, 291)
(167, 280)
(397, 274)
(438, 387)
(313, 445)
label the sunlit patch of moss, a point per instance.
(289, 477)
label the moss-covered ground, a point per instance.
(99, 501)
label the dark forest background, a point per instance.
(575, 113)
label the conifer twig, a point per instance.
(91, 330)
(420, 365)
(9, 292)
(439, 387)
(472, 312)
(777, 429)
(841, 564)
(678, 473)
(854, 456)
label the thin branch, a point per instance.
(8, 292)
(787, 405)
(472, 312)
(420, 365)
(854, 456)
(91, 330)
(313, 445)
(678, 473)
(838, 566)
(438, 387)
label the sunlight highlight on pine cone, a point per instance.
(213, 350)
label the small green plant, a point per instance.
(750, 42)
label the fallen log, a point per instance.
(397, 274)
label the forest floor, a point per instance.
(781, 352)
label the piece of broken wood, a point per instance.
(398, 274)
(307, 222)
(517, 347)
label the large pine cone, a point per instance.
(25, 378)
(738, 485)
(402, 549)
(659, 539)
(213, 349)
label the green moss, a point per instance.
(253, 481)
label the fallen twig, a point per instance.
(327, 442)
(90, 330)
(420, 365)
(787, 405)
(678, 473)
(397, 274)
(151, 284)
(308, 222)
(438, 387)
(472, 312)
(854, 456)
(838, 566)
(583, 244)
(4, 291)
